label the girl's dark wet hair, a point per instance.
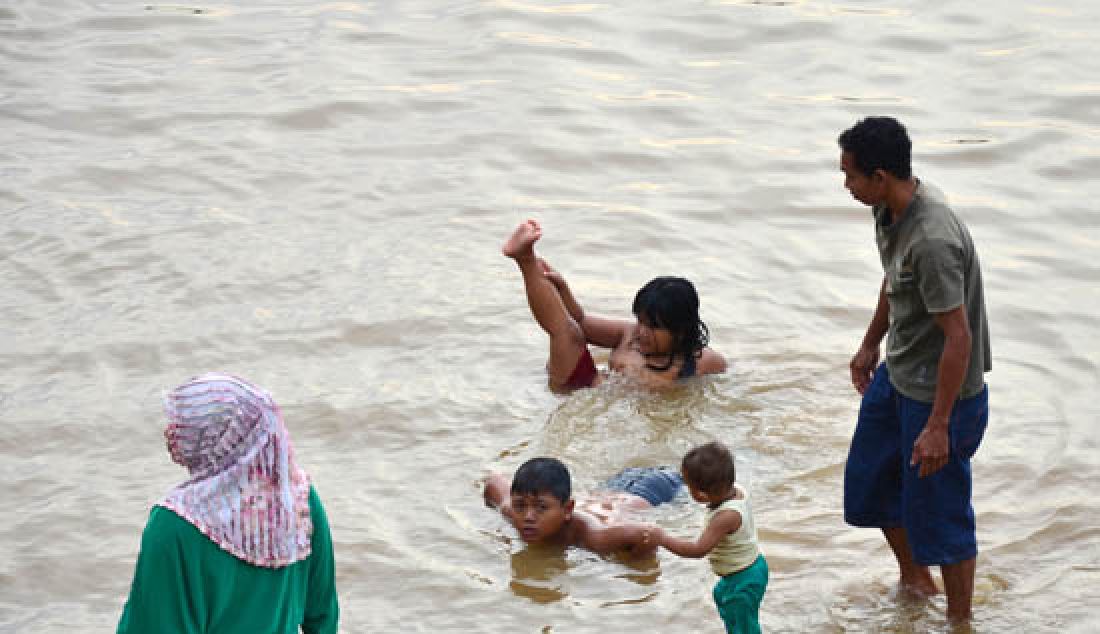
(709, 468)
(879, 143)
(543, 475)
(672, 303)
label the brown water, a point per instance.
(313, 195)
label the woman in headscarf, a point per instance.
(244, 544)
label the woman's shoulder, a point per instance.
(314, 499)
(166, 529)
(317, 513)
(711, 362)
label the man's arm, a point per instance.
(865, 360)
(931, 449)
(724, 523)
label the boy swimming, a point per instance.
(538, 502)
(667, 341)
(728, 539)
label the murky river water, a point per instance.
(313, 195)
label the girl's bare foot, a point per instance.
(523, 239)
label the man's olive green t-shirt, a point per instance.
(930, 267)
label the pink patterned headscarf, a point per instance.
(246, 493)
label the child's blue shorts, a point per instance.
(656, 485)
(882, 490)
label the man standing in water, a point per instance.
(924, 409)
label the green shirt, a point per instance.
(186, 584)
(931, 267)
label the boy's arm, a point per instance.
(724, 523)
(497, 490)
(637, 539)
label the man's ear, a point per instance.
(569, 509)
(879, 175)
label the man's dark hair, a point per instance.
(542, 475)
(879, 143)
(709, 468)
(672, 303)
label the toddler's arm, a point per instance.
(724, 523)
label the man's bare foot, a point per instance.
(523, 239)
(960, 624)
(919, 586)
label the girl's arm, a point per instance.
(605, 332)
(724, 523)
(601, 331)
(571, 305)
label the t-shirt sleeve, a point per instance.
(322, 604)
(159, 600)
(940, 275)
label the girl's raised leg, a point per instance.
(567, 342)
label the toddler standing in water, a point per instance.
(728, 539)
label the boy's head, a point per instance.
(708, 471)
(540, 499)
